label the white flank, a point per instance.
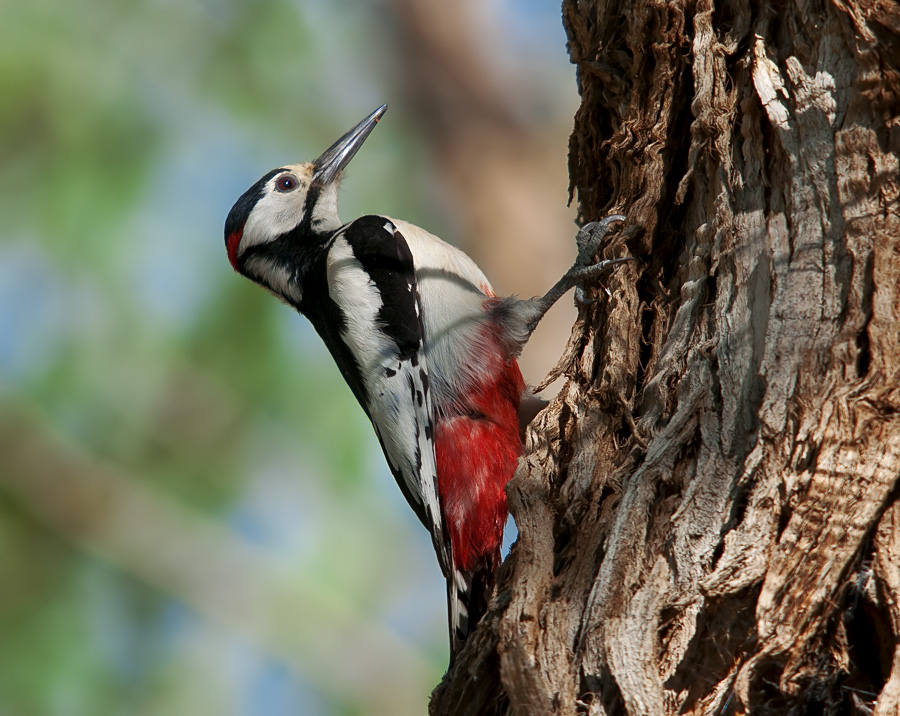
(453, 290)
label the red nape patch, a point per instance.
(231, 245)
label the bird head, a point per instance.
(288, 207)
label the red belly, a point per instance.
(476, 456)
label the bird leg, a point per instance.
(519, 317)
(589, 238)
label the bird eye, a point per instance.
(286, 183)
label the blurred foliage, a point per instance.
(127, 345)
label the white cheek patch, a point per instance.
(275, 213)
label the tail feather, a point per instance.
(468, 593)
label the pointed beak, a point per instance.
(339, 154)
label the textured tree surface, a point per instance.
(708, 514)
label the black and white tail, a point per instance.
(468, 593)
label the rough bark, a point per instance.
(708, 513)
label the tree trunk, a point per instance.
(708, 514)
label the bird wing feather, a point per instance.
(372, 278)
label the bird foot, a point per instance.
(588, 239)
(521, 316)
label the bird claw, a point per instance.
(588, 239)
(591, 234)
(581, 297)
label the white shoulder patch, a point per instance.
(359, 300)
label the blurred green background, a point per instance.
(195, 517)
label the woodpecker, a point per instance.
(425, 345)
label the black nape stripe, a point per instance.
(309, 203)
